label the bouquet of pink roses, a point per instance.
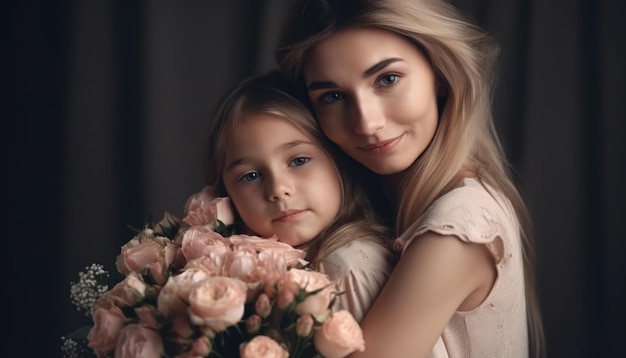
(192, 289)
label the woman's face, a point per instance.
(374, 94)
(280, 181)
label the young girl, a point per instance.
(404, 87)
(266, 152)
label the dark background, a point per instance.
(107, 101)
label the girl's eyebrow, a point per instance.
(234, 163)
(238, 161)
(316, 85)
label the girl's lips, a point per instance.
(382, 147)
(289, 215)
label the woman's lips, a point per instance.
(382, 147)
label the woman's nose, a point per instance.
(367, 115)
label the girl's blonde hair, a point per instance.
(463, 57)
(268, 94)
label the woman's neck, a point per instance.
(391, 184)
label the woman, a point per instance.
(404, 87)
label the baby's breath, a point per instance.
(90, 288)
(69, 348)
(75, 349)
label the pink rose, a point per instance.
(129, 292)
(262, 347)
(168, 253)
(293, 256)
(339, 336)
(253, 324)
(217, 302)
(139, 342)
(137, 254)
(204, 208)
(157, 272)
(108, 321)
(270, 268)
(315, 303)
(304, 325)
(174, 296)
(147, 315)
(199, 200)
(224, 209)
(285, 298)
(212, 266)
(262, 305)
(143, 250)
(241, 263)
(182, 326)
(201, 347)
(198, 243)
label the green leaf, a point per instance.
(222, 229)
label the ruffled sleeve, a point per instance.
(469, 212)
(360, 270)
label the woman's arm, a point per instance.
(436, 276)
(360, 270)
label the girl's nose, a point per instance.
(279, 187)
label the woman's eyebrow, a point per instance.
(379, 66)
(316, 85)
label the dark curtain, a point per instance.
(107, 103)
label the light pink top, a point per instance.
(360, 269)
(496, 328)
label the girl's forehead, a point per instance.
(260, 140)
(278, 117)
(259, 126)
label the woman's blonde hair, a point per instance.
(268, 94)
(463, 57)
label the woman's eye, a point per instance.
(388, 80)
(331, 97)
(251, 176)
(300, 161)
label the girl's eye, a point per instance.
(331, 97)
(251, 176)
(300, 161)
(388, 80)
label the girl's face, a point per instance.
(280, 181)
(374, 94)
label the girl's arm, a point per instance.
(436, 276)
